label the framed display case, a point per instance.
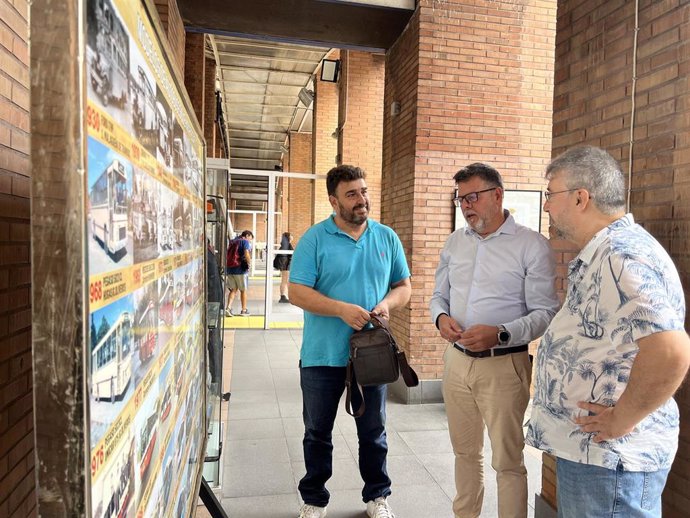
(118, 265)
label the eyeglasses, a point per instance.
(470, 197)
(547, 194)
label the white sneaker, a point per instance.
(379, 508)
(311, 511)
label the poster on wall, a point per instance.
(144, 257)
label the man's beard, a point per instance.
(350, 216)
(560, 231)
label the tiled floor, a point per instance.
(263, 458)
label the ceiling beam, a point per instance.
(314, 22)
(266, 58)
(241, 68)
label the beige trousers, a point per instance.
(492, 391)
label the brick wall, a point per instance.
(300, 192)
(398, 162)
(174, 30)
(195, 74)
(592, 105)
(17, 484)
(325, 146)
(361, 118)
(483, 90)
(214, 147)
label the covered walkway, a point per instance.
(263, 461)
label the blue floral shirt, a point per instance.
(622, 286)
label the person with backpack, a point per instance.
(239, 260)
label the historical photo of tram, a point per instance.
(192, 169)
(110, 363)
(107, 58)
(144, 206)
(178, 152)
(166, 231)
(112, 494)
(182, 224)
(164, 119)
(109, 188)
(142, 92)
(147, 438)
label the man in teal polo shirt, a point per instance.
(342, 269)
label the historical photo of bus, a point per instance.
(168, 479)
(166, 231)
(145, 329)
(166, 289)
(108, 222)
(113, 492)
(147, 438)
(107, 57)
(144, 206)
(110, 363)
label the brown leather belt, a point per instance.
(494, 351)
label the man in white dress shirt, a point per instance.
(494, 294)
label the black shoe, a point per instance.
(284, 300)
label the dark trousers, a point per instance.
(322, 388)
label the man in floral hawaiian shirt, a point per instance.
(613, 356)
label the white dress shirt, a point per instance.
(506, 278)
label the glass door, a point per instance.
(271, 204)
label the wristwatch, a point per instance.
(503, 335)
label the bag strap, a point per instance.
(348, 393)
(408, 373)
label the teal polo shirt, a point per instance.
(359, 272)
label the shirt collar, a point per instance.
(587, 253)
(508, 227)
(332, 228)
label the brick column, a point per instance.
(214, 147)
(325, 147)
(299, 193)
(361, 118)
(195, 74)
(171, 21)
(17, 473)
(473, 82)
(593, 105)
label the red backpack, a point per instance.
(234, 260)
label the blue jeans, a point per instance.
(587, 491)
(321, 391)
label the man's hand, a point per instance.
(479, 338)
(449, 328)
(354, 316)
(605, 423)
(382, 310)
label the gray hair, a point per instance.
(593, 169)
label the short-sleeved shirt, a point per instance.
(359, 272)
(245, 246)
(622, 286)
